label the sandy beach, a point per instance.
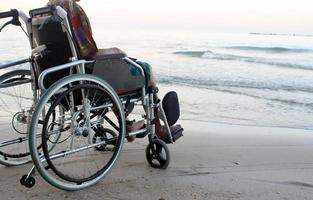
(212, 161)
(242, 70)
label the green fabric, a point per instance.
(136, 72)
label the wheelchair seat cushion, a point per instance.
(122, 76)
(110, 53)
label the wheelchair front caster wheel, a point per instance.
(28, 182)
(22, 180)
(158, 154)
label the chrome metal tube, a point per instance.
(135, 64)
(19, 62)
(10, 142)
(58, 68)
(165, 123)
(134, 133)
(62, 154)
(63, 14)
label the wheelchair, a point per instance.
(78, 124)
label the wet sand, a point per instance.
(212, 161)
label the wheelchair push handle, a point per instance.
(6, 14)
(13, 13)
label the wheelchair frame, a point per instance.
(147, 98)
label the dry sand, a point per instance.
(212, 161)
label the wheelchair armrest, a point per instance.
(111, 53)
(76, 63)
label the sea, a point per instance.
(226, 78)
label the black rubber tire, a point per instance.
(50, 162)
(22, 72)
(29, 182)
(22, 180)
(155, 156)
(7, 80)
(49, 96)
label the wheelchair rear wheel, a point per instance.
(16, 101)
(92, 119)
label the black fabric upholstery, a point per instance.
(171, 108)
(51, 34)
(117, 73)
(110, 53)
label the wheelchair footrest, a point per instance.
(142, 135)
(178, 134)
(171, 107)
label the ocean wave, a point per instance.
(233, 87)
(233, 84)
(271, 49)
(248, 59)
(199, 54)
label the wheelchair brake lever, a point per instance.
(14, 21)
(2, 27)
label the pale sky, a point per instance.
(279, 16)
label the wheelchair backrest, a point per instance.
(51, 42)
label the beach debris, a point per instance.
(236, 163)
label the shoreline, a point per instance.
(281, 34)
(247, 125)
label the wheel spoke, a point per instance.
(86, 151)
(16, 99)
